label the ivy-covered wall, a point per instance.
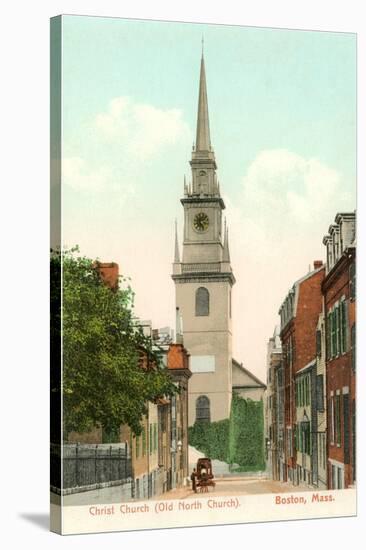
(246, 435)
(238, 440)
(211, 438)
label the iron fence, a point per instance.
(90, 465)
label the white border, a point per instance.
(24, 269)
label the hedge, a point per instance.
(238, 440)
(211, 438)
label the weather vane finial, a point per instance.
(202, 41)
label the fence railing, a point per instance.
(90, 465)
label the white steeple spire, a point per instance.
(203, 142)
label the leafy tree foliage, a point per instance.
(110, 369)
(237, 440)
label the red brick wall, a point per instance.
(177, 357)
(302, 330)
(109, 272)
(309, 307)
(339, 369)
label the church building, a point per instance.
(204, 278)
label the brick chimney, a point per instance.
(318, 264)
(109, 272)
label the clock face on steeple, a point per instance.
(201, 222)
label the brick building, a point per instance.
(274, 403)
(339, 292)
(299, 319)
(178, 365)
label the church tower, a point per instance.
(203, 279)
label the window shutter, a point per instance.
(329, 338)
(344, 326)
(334, 334)
(346, 419)
(338, 331)
(353, 347)
(320, 392)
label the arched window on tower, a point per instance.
(202, 302)
(203, 409)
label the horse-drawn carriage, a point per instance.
(205, 477)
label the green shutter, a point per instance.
(334, 334)
(344, 326)
(329, 339)
(338, 330)
(353, 346)
(296, 393)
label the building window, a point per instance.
(305, 437)
(202, 302)
(346, 422)
(329, 335)
(343, 327)
(338, 420)
(203, 409)
(289, 442)
(332, 420)
(137, 446)
(353, 347)
(338, 331)
(334, 334)
(320, 392)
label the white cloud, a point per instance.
(276, 229)
(78, 174)
(140, 129)
(282, 187)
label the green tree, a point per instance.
(104, 379)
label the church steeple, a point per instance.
(203, 142)
(203, 163)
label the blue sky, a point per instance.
(283, 125)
